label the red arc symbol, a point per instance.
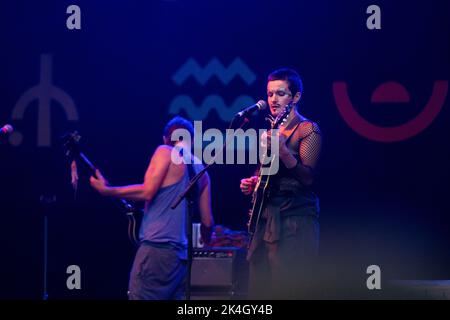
(395, 133)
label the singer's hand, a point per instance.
(99, 183)
(283, 149)
(248, 185)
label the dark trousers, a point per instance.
(158, 273)
(286, 268)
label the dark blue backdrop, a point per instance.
(383, 203)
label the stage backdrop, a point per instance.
(375, 80)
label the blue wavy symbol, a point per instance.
(214, 67)
(226, 113)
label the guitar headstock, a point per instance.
(282, 116)
(70, 143)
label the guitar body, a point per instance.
(261, 191)
(134, 218)
(260, 196)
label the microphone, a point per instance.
(7, 128)
(260, 105)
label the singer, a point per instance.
(160, 266)
(284, 247)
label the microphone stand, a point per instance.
(45, 202)
(188, 195)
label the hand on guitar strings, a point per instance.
(248, 185)
(267, 138)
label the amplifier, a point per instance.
(219, 270)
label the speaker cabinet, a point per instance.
(219, 273)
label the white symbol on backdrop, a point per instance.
(44, 92)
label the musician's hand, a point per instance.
(99, 183)
(248, 185)
(282, 147)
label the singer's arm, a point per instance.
(309, 151)
(303, 173)
(156, 172)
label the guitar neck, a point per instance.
(125, 205)
(88, 163)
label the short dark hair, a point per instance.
(178, 123)
(291, 76)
